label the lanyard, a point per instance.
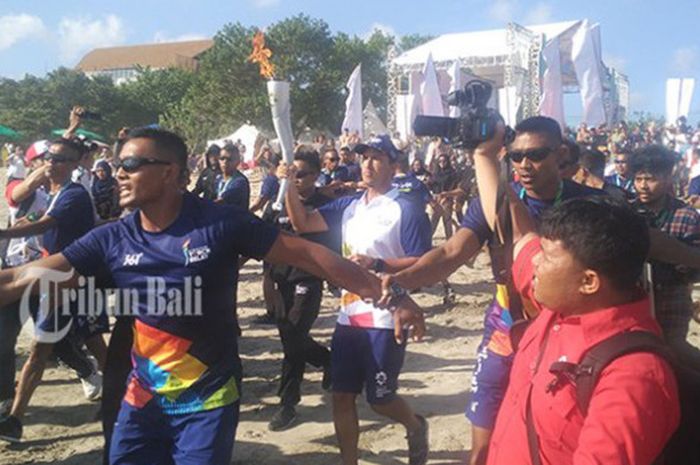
(223, 186)
(557, 198)
(54, 197)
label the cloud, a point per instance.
(162, 36)
(14, 28)
(265, 3)
(541, 13)
(614, 61)
(383, 28)
(79, 35)
(503, 10)
(685, 59)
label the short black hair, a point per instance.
(574, 151)
(653, 159)
(73, 145)
(541, 125)
(232, 149)
(594, 161)
(603, 235)
(311, 157)
(167, 142)
(330, 149)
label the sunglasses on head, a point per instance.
(132, 164)
(532, 155)
(56, 158)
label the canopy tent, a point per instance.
(249, 136)
(8, 132)
(509, 57)
(82, 132)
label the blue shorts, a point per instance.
(493, 361)
(369, 358)
(146, 436)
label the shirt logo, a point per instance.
(196, 254)
(132, 259)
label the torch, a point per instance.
(278, 95)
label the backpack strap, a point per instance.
(602, 354)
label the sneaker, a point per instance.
(283, 419)
(326, 381)
(5, 407)
(92, 386)
(10, 429)
(418, 446)
(264, 320)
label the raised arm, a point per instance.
(26, 188)
(303, 221)
(28, 228)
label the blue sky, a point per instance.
(649, 40)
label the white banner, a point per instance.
(552, 101)
(588, 68)
(673, 96)
(353, 104)
(430, 91)
(509, 104)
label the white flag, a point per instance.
(430, 91)
(587, 66)
(552, 101)
(687, 87)
(353, 104)
(673, 96)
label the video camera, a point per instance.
(476, 125)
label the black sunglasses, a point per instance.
(620, 162)
(132, 164)
(532, 155)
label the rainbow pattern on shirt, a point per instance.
(164, 370)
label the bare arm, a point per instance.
(26, 188)
(440, 262)
(15, 281)
(303, 221)
(389, 265)
(670, 250)
(259, 204)
(73, 122)
(26, 229)
(325, 264)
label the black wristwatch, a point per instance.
(397, 293)
(379, 265)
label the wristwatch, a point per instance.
(397, 293)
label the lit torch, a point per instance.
(278, 94)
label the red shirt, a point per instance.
(634, 407)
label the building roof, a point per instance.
(162, 55)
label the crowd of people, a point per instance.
(570, 238)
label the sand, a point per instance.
(61, 427)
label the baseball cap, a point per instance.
(382, 143)
(36, 150)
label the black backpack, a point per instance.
(684, 446)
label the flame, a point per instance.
(261, 55)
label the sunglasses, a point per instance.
(55, 158)
(532, 155)
(133, 164)
(620, 162)
(225, 158)
(332, 159)
(303, 174)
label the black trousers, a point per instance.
(302, 302)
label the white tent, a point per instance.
(248, 135)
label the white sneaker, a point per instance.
(92, 386)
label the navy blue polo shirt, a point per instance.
(72, 209)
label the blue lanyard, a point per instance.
(557, 198)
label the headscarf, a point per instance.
(103, 189)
